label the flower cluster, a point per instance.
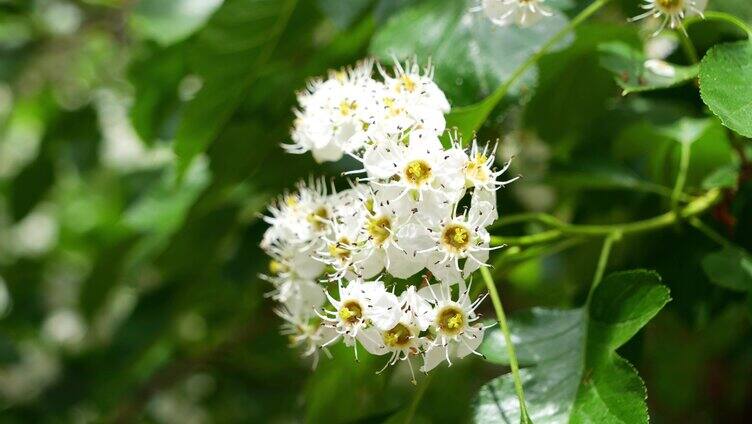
(523, 13)
(416, 206)
(343, 113)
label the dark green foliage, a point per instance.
(140, 143)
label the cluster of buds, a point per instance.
(417, 215)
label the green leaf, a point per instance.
(730, 268)
(162, 209)
(726, 84)
(473, 55)
(723, 177)
(343, 12)
(571, 372)
(227, 56)
(169, 21)
(634, 73)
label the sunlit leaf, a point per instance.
(227, 56)
(726, 84)
(571, 372)
(169, 21)
(475, 56)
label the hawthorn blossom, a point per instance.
(456, 332)
(415, 207)
(671, 12)
(523, 13)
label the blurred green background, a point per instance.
(139, 142)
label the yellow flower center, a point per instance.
(399, 336)
(346, 108)
(476, 168)
(291, 201)
(670, 6)
(417, 172)
(276, 267)
(340, 75)
(389, 104)
(379, 228)
(318, 218)
(451, 320)
(351, 312)
(456, 237)
(406, 83)
(340, 249)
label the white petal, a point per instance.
(470, 341)
(402, 265)
(372, 341)
(385, 311)
(433, 357)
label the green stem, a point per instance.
(722, 17)
(603, 258)
(710, 233)
(416, 399)
(688, 47)
(524, 417)
(560, 229)
(603, 261)
(478, 112)
(681, 176)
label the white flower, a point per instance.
(383, 228)
(456, 332)
(459, 237)
(414, 176)
(401, 342)
(672, 12)
(411, 100)
(360, 306)
(300, 218)
(524, 13)
(304, 332)
(335, 114)
(415, 308)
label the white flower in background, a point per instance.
(301, 218)
(455, 330)
(360, 306)
(335, 114)
(523, 13)
(660, 68)
(671, 12)
(305, 333)
(661, 46)
(411, 100)
(448, 240)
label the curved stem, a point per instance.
(695, 207)
(602, 261)
(474, 115)
(722, 17)
(681, 176)
(710, 233)
(524, 417)
(688, 47)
